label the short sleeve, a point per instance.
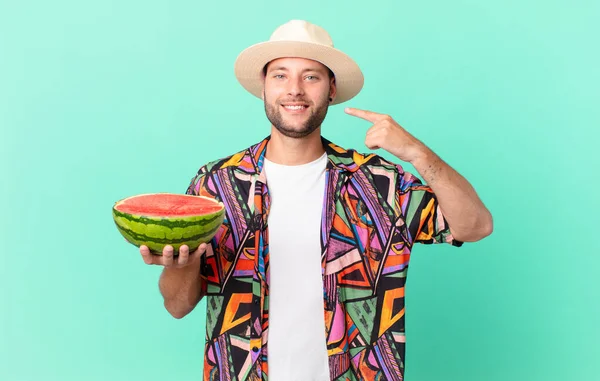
(197, 187)
(423, 216)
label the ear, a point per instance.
(332, 90)
(263, 80)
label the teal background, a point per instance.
(100, 100)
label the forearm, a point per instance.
(466, 214)
(181, 289)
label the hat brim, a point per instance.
(249, 65)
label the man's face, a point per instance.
(296, 95)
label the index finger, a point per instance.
(370, 116)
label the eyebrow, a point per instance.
(283, 68)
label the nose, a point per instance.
(295, 86)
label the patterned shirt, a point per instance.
(373, 213)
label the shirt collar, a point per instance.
(338, 158)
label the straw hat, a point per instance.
(299, 38)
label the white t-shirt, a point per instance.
(296, 338)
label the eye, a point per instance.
(312, 77)
(278, 76)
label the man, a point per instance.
(305, 278)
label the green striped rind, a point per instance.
(162, 228)
(156, 245)
(177, 231)
(166, 241)
(182, 222)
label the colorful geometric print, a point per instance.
(373, 213)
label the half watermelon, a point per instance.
(160, 219)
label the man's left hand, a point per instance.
(387, 134)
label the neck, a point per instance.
(294, 151)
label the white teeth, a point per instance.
(294, 107)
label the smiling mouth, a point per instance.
(294, 107)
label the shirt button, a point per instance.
(255, 349)
(256, 301)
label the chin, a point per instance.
(297, 133)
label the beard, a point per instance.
(314, 121)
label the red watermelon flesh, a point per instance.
(171, 205)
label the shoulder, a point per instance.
(377, 168)
(354, 160)
(240, 159)
(203, 182)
